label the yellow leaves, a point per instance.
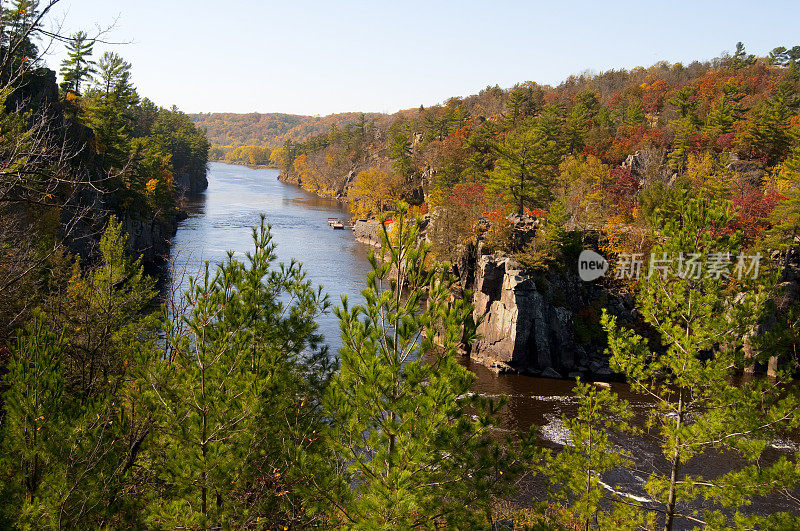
(616, 231)
(783, 180)
(374, 191)
(151, 187)
(277, 156)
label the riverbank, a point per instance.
(246, 165)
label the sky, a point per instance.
(318, 58)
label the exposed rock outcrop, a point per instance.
(519, 328)
(545, 324)
(191, 184)
(150, 238)
(367, 231)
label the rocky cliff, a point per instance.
(191, 184)
(88, 202)
(544, 324)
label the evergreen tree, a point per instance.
(71, 436)
(411, 456)
(104, 313)
(526, 161)
(108, 110)
(115, 80)
(515, 106)
(77, 67)
(768, 130)
(35, 424)
(401, 154)
(741, 58)
(575, 472)
(235, 397)
(726, 111)
(21, 19)
(685, 101)
(699, 320)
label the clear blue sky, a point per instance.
(306, 57)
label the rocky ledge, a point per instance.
(542, 324)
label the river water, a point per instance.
(220, 221)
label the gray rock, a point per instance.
(367, 231)
(551, 373)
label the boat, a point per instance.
(336, 224)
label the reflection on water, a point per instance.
(220, 220)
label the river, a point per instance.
(220, 220)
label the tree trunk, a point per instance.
(673, 478)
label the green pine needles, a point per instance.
(412, 441)
(689, 369)
(235, 396)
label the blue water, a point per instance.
(220, 220)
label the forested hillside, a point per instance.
(76, 155)
(228, 131)
(597, 151)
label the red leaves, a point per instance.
(754, 209)
(536, 212)
(621, 188)
(468, 196)
(496, 216)
(654, 96)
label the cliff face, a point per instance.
(150, 238)
(191, 184)
(88, 203)
(519, 328)
(544, 324)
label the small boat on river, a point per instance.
(336, 224)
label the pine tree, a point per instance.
(685, 102)
(768, 130)
(68, 405)
(411, 456)
(104, 311)
(526, 161)
(575, 472)
(235, 397)
(77, 67)
(34, 426)
(741, 58)
(726, 111)
(65, 457)
(699, 321)
(20, 30)
(115, 80)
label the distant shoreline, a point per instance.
(252, 166)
